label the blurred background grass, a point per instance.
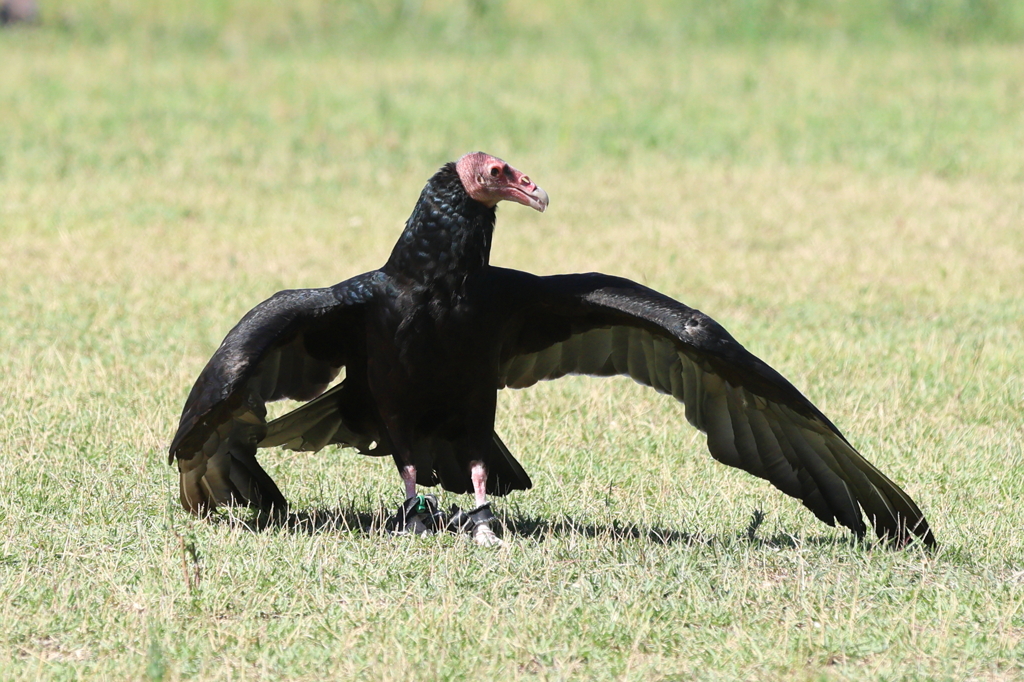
(459, 24)
(321, 83)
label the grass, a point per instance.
(844, 195)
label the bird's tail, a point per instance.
(505, 473)
(451, 468)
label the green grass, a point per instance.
(841, 186)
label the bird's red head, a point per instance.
(489, 180)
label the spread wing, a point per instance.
(290, 346)
(754, 418)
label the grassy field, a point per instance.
(842, 188)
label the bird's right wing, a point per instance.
(290, 346)
(754, 418)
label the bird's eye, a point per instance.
(495, 171)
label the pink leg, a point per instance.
(483, 535)
(479, 475)
(410, 519)
(409, 476)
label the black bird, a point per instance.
(427, 340)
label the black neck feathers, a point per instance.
(447, 236)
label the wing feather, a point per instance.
(754, 453)
(319, 423)
(778, 468)
(753, 417)
(721, 439)
(290, 346)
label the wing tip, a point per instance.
(905, 535)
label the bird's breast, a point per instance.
(435, 350)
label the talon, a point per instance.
(483, 536)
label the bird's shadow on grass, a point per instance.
(351, 519)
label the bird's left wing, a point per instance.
(754, 418)
(290, 346)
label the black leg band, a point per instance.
(460, 521)
(418, 515)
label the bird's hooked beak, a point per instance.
(530, 194)
(489, 180)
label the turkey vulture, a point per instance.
(427, 340)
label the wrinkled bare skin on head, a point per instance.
(489, 180)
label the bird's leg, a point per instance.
(483, 534)
(419, 514)
(479, 475)
(409, 477)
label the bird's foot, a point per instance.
(419, 515)
(483, 536)
(477, 523)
